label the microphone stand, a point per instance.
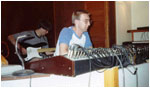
(23, 72)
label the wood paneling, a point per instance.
(63, 12)
(20, 16)
(100, 15)
(98, 29)
(112, 24)
(97, 5)
(17, 16)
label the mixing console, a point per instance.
(80, 60)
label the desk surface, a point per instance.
(92, 79)
(11, 77)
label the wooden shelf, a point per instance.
(143, 30)
(133, 31)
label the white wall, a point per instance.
(140, 18)
(139, 14)
(130, 15)
(123, 21)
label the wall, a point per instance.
(139, 13)
(140, 18)
(130, 15)
(123, 21)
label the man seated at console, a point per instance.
(76, 34)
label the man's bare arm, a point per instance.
(63, 49)
(13, 41)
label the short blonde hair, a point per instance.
(76, 15)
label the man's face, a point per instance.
(43, 32)
(84, 22)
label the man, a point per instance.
(34, 38)
(76, 34)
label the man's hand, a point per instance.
(49, 53)
(23, 51)
(13, 41)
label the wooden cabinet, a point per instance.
(102, 30)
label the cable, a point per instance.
(89, 64)
(97, 59)
(30, 81)
(16, 48)
(22, 72)
(122, 69)
(125, 53)
(105, 69)
(89, 79)
(137, 84)
(102, 70)
(135, 73)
